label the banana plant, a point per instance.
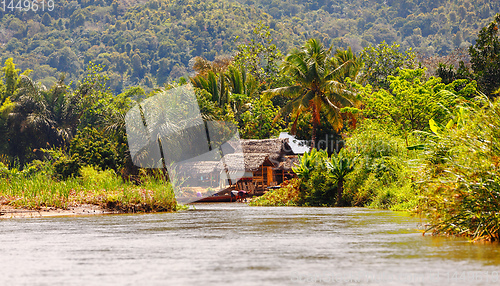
(340, 166)
(308, 162)
(458, 120)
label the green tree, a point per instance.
(216, 84)
(11, 76)
(49, 118)
(91, 147)
(411, 100)
(5, 109)
(485, 57)
(260, 57)
(46, 19)
(318, 84)
(328, 138)
(384, 60)
(257, 122)
(35, 121)
(226, 83)
(241, 82)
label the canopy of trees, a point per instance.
(151, 42)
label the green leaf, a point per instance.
(416, 147)
(450, 124)
(433, 125)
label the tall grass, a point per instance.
(103, 188)
(460, 184)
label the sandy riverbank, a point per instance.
(11, 212)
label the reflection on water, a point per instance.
(234, 244)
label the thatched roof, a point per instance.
(252, 161)
(288, 163)
(275, 148)
(255, 152)
(200, 167)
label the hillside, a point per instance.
(151, 42)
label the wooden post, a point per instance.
(269, 175)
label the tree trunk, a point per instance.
(340, 190)
(313, 139)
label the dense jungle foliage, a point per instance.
(422, 143)
(152, 42)
(390, 128)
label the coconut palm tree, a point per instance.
(34, 121)
(43, 118)
(320, 84)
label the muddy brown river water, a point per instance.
(235, 244)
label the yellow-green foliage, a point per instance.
(383, 175)
(148, 41)
(412, 100)
(6, 108)
(103, 188)
(460, 181)
(287, 195)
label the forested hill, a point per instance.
(150, 42)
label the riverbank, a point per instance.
(7, 212)
(85, 209)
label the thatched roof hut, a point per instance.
(263, 163)
(256, 152)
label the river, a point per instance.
(235, 244)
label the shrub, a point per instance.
(90, 147)
(67, 167)
(384, 173)
(287, 195)
(319, 190)
(308, 162)
(461, 190)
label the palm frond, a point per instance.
(293, 105)
(287, 91)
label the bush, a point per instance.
(319, 190)
(90, 147)
(4, 171)
(287, 195)
(31, 169)
(38, 167)
(67, 167)
(384, 173)
(94, 178)
(460, 178)
(317, 181)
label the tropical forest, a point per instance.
(396, 100)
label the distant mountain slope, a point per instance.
(150, 42)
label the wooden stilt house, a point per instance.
(267, 163)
